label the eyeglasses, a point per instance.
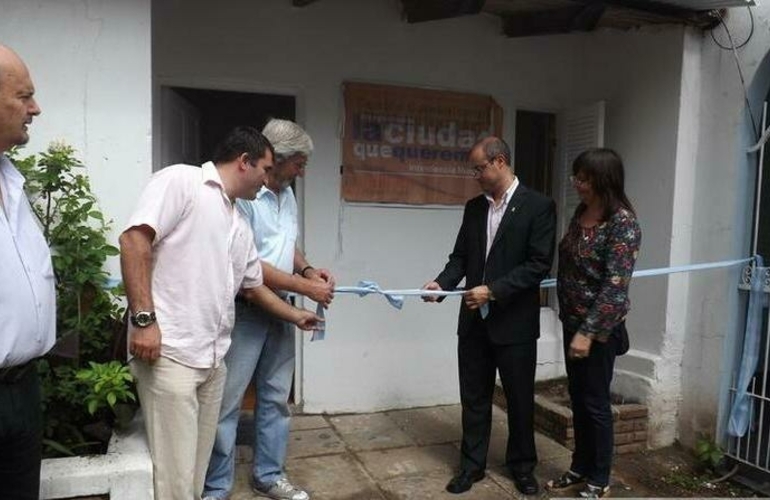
(576, 181)
(478, 169)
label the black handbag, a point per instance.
(621, 335)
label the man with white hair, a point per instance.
(263, 346)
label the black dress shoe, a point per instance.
(464, 480)
(526, 483)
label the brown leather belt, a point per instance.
(13, 374)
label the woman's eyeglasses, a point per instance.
(577, 181)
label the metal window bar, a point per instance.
(753, 449)
(763, 366)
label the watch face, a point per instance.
(144, 318)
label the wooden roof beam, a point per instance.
(701, 18)
(418, 11)
(554, 21)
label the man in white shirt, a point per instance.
(186, 252)
(27, 294)
(263, 347)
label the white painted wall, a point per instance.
(376, 357)
(90, 63)
(643, 125)
(721, 219)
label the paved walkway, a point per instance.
(398, 455)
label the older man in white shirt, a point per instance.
(27, 294)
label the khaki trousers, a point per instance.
(181, 409)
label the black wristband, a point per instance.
(304, 270)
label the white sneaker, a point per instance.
(281, 490)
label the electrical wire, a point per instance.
(742, 44)
(734, 49)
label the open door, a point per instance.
(180, 124)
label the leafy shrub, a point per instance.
(109, 384)
(88, 314)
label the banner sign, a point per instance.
(410, 145)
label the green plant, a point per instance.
(683, 479)
(109, 383)
(708, 452)
(88, 314)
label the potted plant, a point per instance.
(84, 387)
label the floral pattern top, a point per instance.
(595, 268)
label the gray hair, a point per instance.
(288, 138)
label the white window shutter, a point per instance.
(583, 129)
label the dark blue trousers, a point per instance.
(589, 391)
(20, 438)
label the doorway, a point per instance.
(534, 156)
(194, 120)
(535, 150)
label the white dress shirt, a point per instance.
(203, 253)
(27, 284)
(496, 212)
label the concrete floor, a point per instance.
(406, 454)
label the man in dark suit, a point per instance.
(504, 249)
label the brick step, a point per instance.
(555, 421)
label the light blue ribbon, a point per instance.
(551, 282)
(741, 411)
(396, 297)
(365, 288)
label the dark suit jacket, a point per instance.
(520, 257)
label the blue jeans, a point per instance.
(262, 350)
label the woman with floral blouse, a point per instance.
(596, 260)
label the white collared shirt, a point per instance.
(496, 212)
(273, 218)
(203, 253)
(27, 283)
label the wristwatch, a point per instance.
(143, 319)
